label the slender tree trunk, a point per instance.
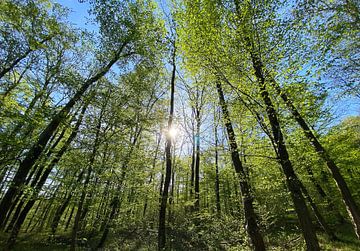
(317, 213)
(197, 162)
(36, 150)
(20, 200)
(70, 218)
(250, 216)
(217, 181)
(65, 202)
(33, 216)
(348, 199)
(87, 179)
(39, 183)
(20, 220)
(165, 191)
(78, 212)
(172, 186)
(192, 167)
(114, 208)
(321, 191)
(59, 212)
(151, 174)
(291, 178)
(115, 202)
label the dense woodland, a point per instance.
(180, 125)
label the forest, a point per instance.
(179, 125)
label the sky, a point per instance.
(78, 15)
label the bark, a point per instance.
(292, 180)
(317, 213)
(115, 202)
(39, 183)
(197, 163)
(20, 220)
(20, 200)
(323, 194)
(348, 199)
(152, 174)
(165, 190)
(217, 181)
(69, 219)
(114, 208)
(192, 167)
(36, 150)
(87, 179)
(60, 210)
(172, 186)
(250, 216)
(32, 217)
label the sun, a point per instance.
(173, 132)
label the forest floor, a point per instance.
(145, 240)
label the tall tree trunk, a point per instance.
(291, 178)
(36, 150)
(59, 212)
(348, 199)
(152, 172)
(115, 202)
(217, 180)
(250, 216)
(165, 190)
(114, 208)
(33, 216)
(87, 178)
(192, 167)
(197, 162)
(65, 202)
(317, 213)
(39, 183)
(20, 200)
(323, 194)
(20, 220)
(70, 218)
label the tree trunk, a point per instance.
(250, 216)
(58, 213)
(152, 174)
(217, 181)
(87, 178)
(317, 213)
(348, 199)
(36, 150)
(192, 167)
(32, 217)
(114, 208)
(41, 182)
(291, 178)
(70, 217)
(197, 162)
(165, 190)
(20, 220)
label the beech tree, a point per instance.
(181, 125)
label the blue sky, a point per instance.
(78, 15)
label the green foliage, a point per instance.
(120, 136)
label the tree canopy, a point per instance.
(179, 125)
